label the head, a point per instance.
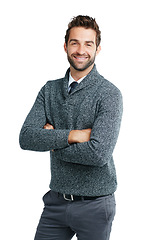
(82, 42)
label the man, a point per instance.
(77, 118)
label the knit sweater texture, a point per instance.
(84, 169)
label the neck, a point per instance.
(80, 74)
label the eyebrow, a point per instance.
(75, 40)
(90, 42)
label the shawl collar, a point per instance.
(91, 79)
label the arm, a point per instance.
(79, 136)
(34, 137)
(75, 136)
(99, 149)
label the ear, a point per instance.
(65, 47)
(98, 50)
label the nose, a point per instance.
(81, 49)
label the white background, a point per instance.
(31, 53)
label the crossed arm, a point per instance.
(75, 136)
(88, 146)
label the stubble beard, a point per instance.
(84, 67)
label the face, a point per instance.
(81, 48)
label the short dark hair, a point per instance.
(86, 22)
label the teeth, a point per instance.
(81, 58)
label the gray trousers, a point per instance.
(88, 219)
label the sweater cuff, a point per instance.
(61, 140)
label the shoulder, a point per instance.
(107, 89)
(53, 85)
(110, 97)
(55, 82)
(50, 88)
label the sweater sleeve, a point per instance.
(34, 137)
(98, 151)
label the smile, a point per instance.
(80, 58)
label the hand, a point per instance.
(48, 126)
(79, 136)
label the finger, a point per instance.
(48, 126)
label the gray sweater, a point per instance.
(85, 169)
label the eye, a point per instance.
(89, 44)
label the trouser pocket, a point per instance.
(110, 207)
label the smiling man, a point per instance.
(77, 118)
(81, 49)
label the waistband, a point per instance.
(70, 197)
